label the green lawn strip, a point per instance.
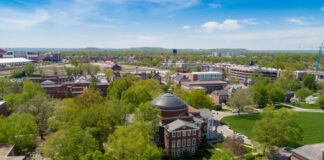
(312, 124)
(307, 106)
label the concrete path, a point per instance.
(297, 109)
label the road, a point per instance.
(297, 109)
(225, 130)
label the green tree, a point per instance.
(96, 155)
(136, 95)
(69, 144)
(261, 96)
(241, 98)
(303, 93)
(93, 83)
(96, 69)
(16, 73)
(309, 82)
(68, 71)
(108, 73)
(29, 69)
(74, 62)
(320, 101)
(20, 130)
(89, 97)
(42, 109)
(31, 89)
(118, 86)
(222, 155)
(131, 141)
(12, 101)
(98, 121)
(198, 99)
(276, 94)
(276, 128)
(287, 81)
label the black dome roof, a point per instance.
(169, 102)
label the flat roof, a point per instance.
(206, 72)
(14, 60)
(205, 82)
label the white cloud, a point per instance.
(249, 21)
(228, 24)
(213, 5)
(322, 9)
(295, 20)
(15, 20)
(186, 27)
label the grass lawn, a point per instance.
(312, 124)
(307, 106)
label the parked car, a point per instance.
(287, 148)
(235, 111)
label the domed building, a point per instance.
(182, 127)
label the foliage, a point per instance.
(74, 62)
(276, 128)
(96, 155)
(241, 98)
(108, 73)
(309, 82)
(131, 141)
(303, 93)
(30, 90)
(320, 101)
(287, 81)
(198, 99)
(69, 144)
(276, 94)
(42, 109)
(29, 69)
(20, 130)
(136, 95)
(88, 97)
(118, 86)
(235, 145)
(93, 83)
(222, 155)
(16, 73)
(261, 96)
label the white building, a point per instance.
(5, 62)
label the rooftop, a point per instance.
(180, 123)
(312, 151)
(169, 102)
(13, 60)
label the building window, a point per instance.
(193, 141)
(205, 128)
(193, 150)
(189, 133)
(179, 134)
(173, 134)
(183, 133)
(183, 143)
(156, 138)
(173, 144)
(179, 143)
(188, 150)
(183, 150)
(173, 152)
(188, 142)
(178, 152)
(194, 132)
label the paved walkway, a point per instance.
(297, 109)
(224, 129)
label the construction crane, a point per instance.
(319, 57)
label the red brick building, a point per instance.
(220, 96)
(54, 78)
(182, 128)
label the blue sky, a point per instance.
(250, 24)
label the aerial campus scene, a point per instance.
(161, 80)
